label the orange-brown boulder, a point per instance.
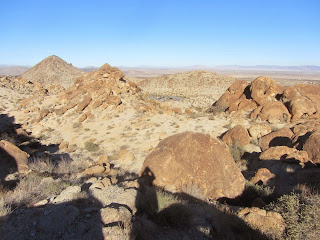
(263, 175)
(258, 130)
(272, 111)
(194, 160)
(281, 137)
(238, 135)
(114, 100)
(85, 102)
(17, 154)
(233, 94)
(276, 153)
(303, 100)
(312, 147)
(44, 113)
(264, 89)
(268, 222)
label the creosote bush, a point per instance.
(301, 213)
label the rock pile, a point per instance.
(266, 100)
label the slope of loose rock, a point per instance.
(52, 70)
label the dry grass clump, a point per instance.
(33, 188)
(301, 213)
(166, 199)
(62, 166)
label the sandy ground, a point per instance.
(112, 131)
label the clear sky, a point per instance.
(162, 32)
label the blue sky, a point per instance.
(161, 33)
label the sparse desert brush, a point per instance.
(42, 164)
(33, 188)
(194, 190)
(61, 167)
(301, 213)
(91, 146)
(166, 199)
(236, 151)
(76, 125)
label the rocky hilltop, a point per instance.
(52, 70)
(188, 84)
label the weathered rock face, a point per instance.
(18, 155)
(237, 135)
(312, 146)
(189, 158)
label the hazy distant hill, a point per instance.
(12, 69)
(53, 70)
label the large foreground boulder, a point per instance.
(194, 160)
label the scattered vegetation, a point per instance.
(301, 213)
(91, 146)
(166, 199)
(236, 151)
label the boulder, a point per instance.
(119, 215)
(312, 147)
(233, 94)
(276, 153)
(264, 89)
(194, 159)
(303, 99)
(20, 157)
(85, 102)
(114, 100)
(238, 135)
(268, 222)
(68, 194)
(281, 137)
(263, 175)
(272, 111)
(259, 130)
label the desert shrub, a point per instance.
(250, 193)
(76, 125)
(91, 146)
(236, 151)
(193, 190)
(33, 188)
(166, 199)
(301, 213)
(42, 164)
(5, 208)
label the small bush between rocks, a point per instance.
(166, 199)
(91, 147)
(301, 213)
(236, 151)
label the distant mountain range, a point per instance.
(6, 69)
